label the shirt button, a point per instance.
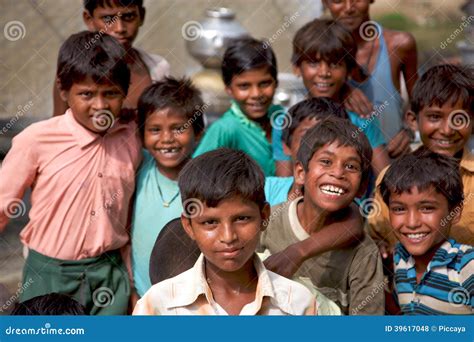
(92, 212)
(100, 175)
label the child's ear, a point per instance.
(296, 70)
(410, 119)
(186, 222)
(228, 90)
(299, 173)
(87, 18)
(62, 93)
(265, 213)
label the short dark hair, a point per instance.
(91, 5)
(421, 169)
(317, 107)
(326, 38)
(173, 253)
(221, 174)
(334, 129)
(49, 304)
(246, 53)
(88, 54)
(444, 84)
(178, 94)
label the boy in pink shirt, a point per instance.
(81, 169)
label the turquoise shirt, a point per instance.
(149, 217)
(370, 127)
(235, 130)
(277, 189)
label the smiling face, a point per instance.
(350, 13)
(323, 79)
(253, 90)
(439, 130)
(418, 219)
(170, 139)
(228, 234)
(120, 22)
(87, 99)
(333, 178)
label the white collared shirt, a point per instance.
(190, 294)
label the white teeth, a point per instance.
(332, 190)
(169, 150)
(445, 142)
(416, 236)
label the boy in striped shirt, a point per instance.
(433, 273)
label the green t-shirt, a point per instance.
(235, 130)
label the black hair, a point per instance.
(327, 39)
(422, 169)
(88, 54)
(244, 54)
(317, 108)
(91, 5)
(334, 129)
(49, 304)
(173, 253)
(178, 94)
(443, 84)
(218, 175)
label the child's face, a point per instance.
(297, 135)
(416, 218)
(228, 234)
(323, 79)
(120, 22)
(94, 106)
(333, 178)
(253, 90)
(350, 13)
(436, 126)
(169, 137)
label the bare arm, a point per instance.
(336, 235)
(409, 58)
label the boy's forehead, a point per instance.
(114, 7)
(418, 194)
(338, 148)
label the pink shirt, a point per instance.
(81, 185)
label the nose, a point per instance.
(100, 102)
(119, 26)
(446, 128)
(413, 220)
(324, 70)
(167, 136)
(255, 92)
(228, 235)
(348, 5)
(337, 171)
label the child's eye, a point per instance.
(266, 84)
(129, 16)
(153, 129)
(434, 117)
(397, 210)
(243, 218)
(353, 167)
(325, 161)
(112, 93)
(243, 86)
(210, 222)
(427, 208)
(107, 19)
(86, 94)
(179, 129)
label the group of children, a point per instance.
(166, 216)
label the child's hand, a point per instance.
(285, 263)
(356, 101)
(400, 144)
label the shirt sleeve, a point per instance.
(144, 307)
(215, 137)
(17, 174)
(366, 283)
(374, 133)
(467, 277)
(277, 144)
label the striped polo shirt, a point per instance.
(447, 286)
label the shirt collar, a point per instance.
(200, 287)
(445, 254)
(84, 136)
(467, 160)
(237, 112)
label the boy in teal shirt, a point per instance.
(249, 71)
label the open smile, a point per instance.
(332, 190)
